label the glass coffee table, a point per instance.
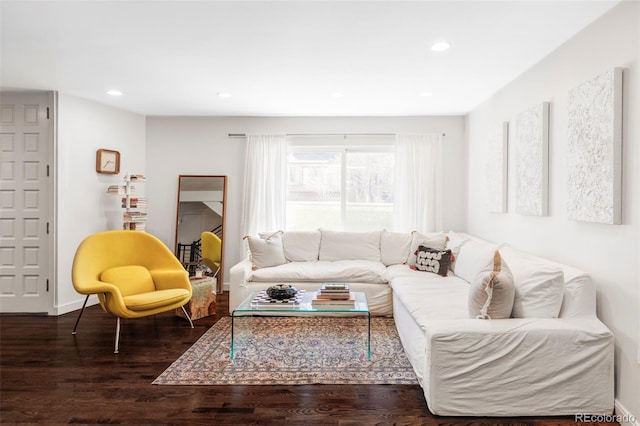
(304, 307)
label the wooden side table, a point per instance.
(203, 298)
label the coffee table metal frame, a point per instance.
(304, 308)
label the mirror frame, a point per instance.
(220, 278)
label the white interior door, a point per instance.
(25, 131)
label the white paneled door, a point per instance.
(25, 144)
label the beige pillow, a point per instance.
(266, 252)
(434, 240)
(492, 291)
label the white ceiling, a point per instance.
(282, 58)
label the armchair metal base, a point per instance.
(117, 345)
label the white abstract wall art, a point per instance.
(532, 161)
(595, 149)
(497, 151)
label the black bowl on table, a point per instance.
(281, 291)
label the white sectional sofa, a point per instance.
(550, 356)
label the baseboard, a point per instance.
(74, 306)
(624, 417)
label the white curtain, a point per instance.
(417, 203)
(265, 184)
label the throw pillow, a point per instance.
(299, 246)
(432, 260)
(266, 252)
(434, 240)
(492, 292)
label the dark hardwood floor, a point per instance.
(48, 376)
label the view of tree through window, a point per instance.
(350, 189)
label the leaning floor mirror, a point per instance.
(200, 225)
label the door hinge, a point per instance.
(47, 113)
(47, 284)
(47, 170)
(47, 228)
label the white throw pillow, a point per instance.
(539, 284)
(492, 291)
(474, 255)
(434, 240)
(266, 252)
(299, 246)
(394, 247)
(335, 245)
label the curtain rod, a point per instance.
(243, 135)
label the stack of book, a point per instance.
(134, 216)
(120, 189)
(334, 294)
(135, 203)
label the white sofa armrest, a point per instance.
(239, 274)
(528, 366)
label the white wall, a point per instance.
(200, 145)
(83, 206)
(609, 252)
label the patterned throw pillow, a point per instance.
(433, 260)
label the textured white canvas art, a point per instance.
(497, 169)
(595, 149)
(532, 160)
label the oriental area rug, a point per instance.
(294, 351)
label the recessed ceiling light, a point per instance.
(440, 46)
(336, 95)
(223, 95)
(425, 94)
(114, 93)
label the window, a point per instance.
(340, 187)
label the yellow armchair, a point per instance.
(133, 274)
(211, 251)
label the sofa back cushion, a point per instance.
(472, 258)
(579, 296)
(539, 284)
(394, 247)
(492, 291)
(299, 246)
(455, 240)
(336, 245)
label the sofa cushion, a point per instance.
(474, 255)
(335, 245)
(299, 246)
(394, 247)
(539, 284)
(433, 260)
(350, 271)
(266, 252)
(431, 297)
(435, 240)
(492, 291)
